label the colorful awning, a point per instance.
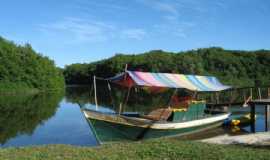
(169, 80)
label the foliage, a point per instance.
(239, 68)
(22, 67)
(150, 149)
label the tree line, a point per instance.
(23, 68)
(233, 67)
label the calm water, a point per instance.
(56, 118)
(42, 119)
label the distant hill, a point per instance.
(233, 67)
(22, 68)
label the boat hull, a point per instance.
(108, 129)
(146, 123)
(107, 132)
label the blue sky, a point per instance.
(70, 31)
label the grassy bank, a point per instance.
(152, 149)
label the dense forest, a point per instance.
(233, 67)
(22, 68)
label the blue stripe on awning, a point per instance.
(195, 82)
(165, 80)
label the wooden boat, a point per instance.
(166, 121)
(114, 127)
(142, 122)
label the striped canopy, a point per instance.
(169, 80)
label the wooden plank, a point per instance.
(224, 104)
(260, 102)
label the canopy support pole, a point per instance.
(170, 101)
(195, 94)
(120, 108)
(127, 97)
(123, 101)
(110, 91)
(95, 90)
(250, 93)
(217, 97)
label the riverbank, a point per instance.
(16, 88)
(257, 139)
(7, 89)
(149, 149)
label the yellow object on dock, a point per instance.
(179, 109)
(246, 119)
(235, 122)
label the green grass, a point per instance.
(165, 149)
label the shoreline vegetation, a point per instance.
(23, 70)
(233, 67)
(166, 148)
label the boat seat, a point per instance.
(159, 114)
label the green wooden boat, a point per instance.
(168, 121)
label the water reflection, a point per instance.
(42, 119)
(139, 100)
(22, 114)
(56, 118)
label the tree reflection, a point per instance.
(21, 114)
(139, 100)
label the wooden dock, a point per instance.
(260, 103)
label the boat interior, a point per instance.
(194, 110)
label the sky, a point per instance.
(82, 31)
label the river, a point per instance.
(56, 118)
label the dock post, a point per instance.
(260, 94)
(252, 117)
(212, 98)
(231, 95)
(268, 93)
(251, 93)
(267, 118)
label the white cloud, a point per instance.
(166, 7)
(172, 22)
(180, 30)
(171, 13)
(169, 9)
(137, 34)
(77, 30)
(90, 7)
